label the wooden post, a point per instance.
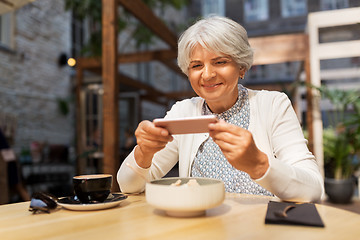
(309, 104)
(111, 88)
(4, 186)
(80, 139)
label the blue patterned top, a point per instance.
(210, 162)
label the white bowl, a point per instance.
(183, 200)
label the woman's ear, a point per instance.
(242, 72)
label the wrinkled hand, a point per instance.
(150, 139)
(238, 146)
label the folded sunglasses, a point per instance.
(42, 202)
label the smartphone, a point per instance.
(186, 125)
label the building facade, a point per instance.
(34, 82)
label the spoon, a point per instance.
(283, 213)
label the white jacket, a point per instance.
(293, 173)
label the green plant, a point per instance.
(63, 106)
(341, 140)
(91, 9)
(338, 154)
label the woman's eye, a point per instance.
(220, 62)
(195, 66)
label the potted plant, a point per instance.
(341, 141)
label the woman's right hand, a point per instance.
(150, 139)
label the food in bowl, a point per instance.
(187, 199)
(190, 183)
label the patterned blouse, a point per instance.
(210, 162)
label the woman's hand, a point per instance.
(238, 146)
(150, 139)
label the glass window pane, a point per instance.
(213, 7)
(1, 29)
(256, 10)
(333, 4)
(293, 8)
(6, 29)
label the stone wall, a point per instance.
(31, 81)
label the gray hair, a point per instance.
(217, 34)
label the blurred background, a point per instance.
(52, 92)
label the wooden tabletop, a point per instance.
(239, 217)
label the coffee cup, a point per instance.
(92, 188)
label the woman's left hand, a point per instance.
(238, 146)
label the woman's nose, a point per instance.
(208, 73)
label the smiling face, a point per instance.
(214, 77)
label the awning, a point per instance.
(11, 5)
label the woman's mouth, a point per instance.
(209, 86)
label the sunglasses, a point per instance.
(42, 202)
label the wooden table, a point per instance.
(239, 217)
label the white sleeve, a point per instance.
(293, 173)
(163, 161)
(128, 180)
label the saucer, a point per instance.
(71, 203)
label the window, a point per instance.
(6, 30)
(79, 36)
(293, 8)
(93, 96)
(333, 4)
(256, 10)
(213, 7)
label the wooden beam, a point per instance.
(174, 67)
(340, 17)
(153, 94)
(126, 80)
(6, 2)
(111, 89)
(163, 56)
(146, 56)
(88, 63)
(335, 50)
(143, 13)
(279, 48)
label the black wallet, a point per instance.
(289, 213)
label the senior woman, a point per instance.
(257, 147)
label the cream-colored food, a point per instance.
(190, 183)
